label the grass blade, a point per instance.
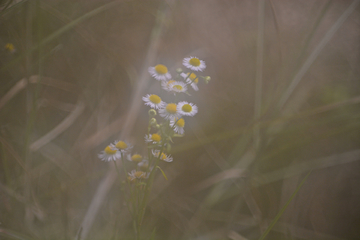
(282, 210)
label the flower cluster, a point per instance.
(159, 136)
(172, 125)
(161, 131)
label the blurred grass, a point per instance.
(283, 100)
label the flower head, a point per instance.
(144, 164)
(160, 72)
(153, 138)
(122, 146)
(133, 175)
(135, 158)
(154, 101)
(194, 64)
(191, 79)
(170, 111)
(178, 125)
(166, 84)
(110, 153)
(187, 109)
(163, 157)
(177, 87)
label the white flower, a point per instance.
(191, 79)
(170, 111)
(153, 138)
(194, 64)
(143, 164)
(177, 87)
(110, 153)
(187, 109)
(163, 157)
(178, 125)
(166, 84)
(137, 175)
(160, 72)
(154, 101)
(122, 146)
(135, 158)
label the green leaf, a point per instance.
(162, 172)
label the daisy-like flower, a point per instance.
(194, 64)
(191, 79)
(166, 84)
(153, 138)
(144, 164)
(154, 101)
(160, 72)
(187, 109)
(177, 87)
(178, 125)
(137, 175)
(163, 157)
(110, 153)
(122, 146)
(135, 158)
(170, 111)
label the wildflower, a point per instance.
(135, 158)
(110, 153)
(178, 125)
(10, 47)
(163, 157)
(137, 175)
(194, 64)
(154, 101)
(170, 111)
(166, 85)
(187, 109)
(178, 87)
(191, 79)
(160, 72)
(153, 138)
(144, 164)
(122, 146)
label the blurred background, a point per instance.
(283, 102)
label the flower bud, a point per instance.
(179, 70)
(152, 113)
(152, 122)
(207, 79)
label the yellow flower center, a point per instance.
(171, 108)
(194, 78)
(195, 62)
(170, 82)
(139, 174)
(180, 122)
(121, 145)
(161, 69)
(186, 108)
(109, 150)
(156, 137)
(178, 87)
(136, 158)
(163, 156)
(155, 99)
